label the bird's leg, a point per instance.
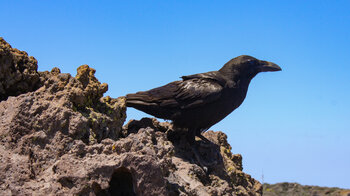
(204, 139)
(206, 143)
(191, 137)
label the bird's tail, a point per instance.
(145, 102)
(139, 99)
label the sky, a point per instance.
(294, 125)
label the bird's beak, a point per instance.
(268, 66)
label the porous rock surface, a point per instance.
(18, 71)
(60, 136)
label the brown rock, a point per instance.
(291, 189)
(18, 71)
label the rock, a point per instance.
(291, 189)
(18, 71)
(133, 126)
(59, 135)
(63, 104)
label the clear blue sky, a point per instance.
(293, 126)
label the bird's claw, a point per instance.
(203, 164)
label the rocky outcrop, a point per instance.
(60, 136)
(295, 189)
(18, 71)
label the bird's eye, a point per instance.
(250, 62)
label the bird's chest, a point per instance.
(218, 110)
(231, 99)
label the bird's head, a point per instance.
(248, 66)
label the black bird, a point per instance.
(201, 100)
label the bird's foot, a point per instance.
(202, 163)
(206, 145)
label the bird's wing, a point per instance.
(193, 91)
(197, 90)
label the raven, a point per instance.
(201, 100)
